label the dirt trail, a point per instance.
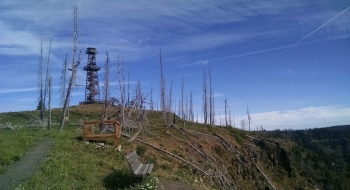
(22, 169)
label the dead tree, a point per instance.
(205, 98)
(229, 117)
(71, 82)
(122, 89)
(233, 120)
(162, 89)
(49, 103)
(249, 118)
(211, 100)
(191, 107)
(40, 82)
(75, 64)
(226, 107)
(128, 84)
(106, 86)
(151, 101)
(179, 109)
(47, 76)
(182, 99)
(174, 107)
(139, 110)
(63, 81)
(186, 110)
(213, 114)
(243, 123)
(170, 103)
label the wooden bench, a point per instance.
(137, 167)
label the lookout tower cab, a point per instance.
(92, 92)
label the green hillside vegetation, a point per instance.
(201, 156)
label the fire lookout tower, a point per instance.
(92, 92)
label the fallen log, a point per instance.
(171, 154)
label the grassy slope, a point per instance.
(14, 144)
(72, 164)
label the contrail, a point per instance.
(270, 49)
(316, 30)
(246, 54)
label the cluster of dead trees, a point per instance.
(44, 85)
(45, 82)
(132, 106)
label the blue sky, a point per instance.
(288, 60)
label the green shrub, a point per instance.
(239, 139)
(165, 167)
(140, 150)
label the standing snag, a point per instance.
(63, 81)
(106, 87)
(243, 123)
(49, 103)
(162, 89)
(205, 98)
(249, 118)
(211, 100)
(75, 65)
(226, 107)
(191, 117)
(40, 82)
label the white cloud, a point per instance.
(2, 91)
(17, 42)
(309, 117)
(218, 95)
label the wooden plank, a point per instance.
(132, 164)
(103, 122)
(103, 135)
(132, 159)
(141, 170)
(131, 154)
(145, 170)
(150, 169)
(138, 169)
(135, 165)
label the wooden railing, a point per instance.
(102, 130)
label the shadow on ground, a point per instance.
(120, 179)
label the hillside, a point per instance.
(201, 156)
